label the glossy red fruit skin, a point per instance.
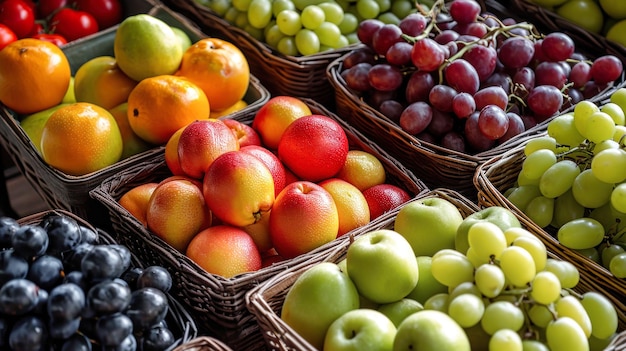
(106, 12)
(6, 36)
(73, 24)
(17, 15)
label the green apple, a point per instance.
(429, 224)
(360, 330)
(69, 96)
(591, 21)
(33, 124)
(185, 41)
(397, 311)
(498, 215)
(614, 8)
(430, 330)
(318, 296)
(427, 285)
(382, 265)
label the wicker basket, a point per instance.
(265, 301)
(179, 320)
(218, 303)
(63, 191)
(437, 166)
(496, 175)
(281, 74)
(552, 22)
(204, 343)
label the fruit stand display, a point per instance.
(64, 190)
(441, 145)
(283, 303)
(218, 302)
(109, 285)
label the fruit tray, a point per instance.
(203, 343)
(496, 175)
(437, 165)
(63, 191)
(280, 74)
(551, 21)
(178, 319)
(265, 301)
(218, 303)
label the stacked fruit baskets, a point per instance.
(430, 137)
(217, 302)
(61, 190)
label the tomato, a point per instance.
(6, 36)
(17, 15)
(37, 29)
(45, 8)
(107, 12)
(55, 39)
(73, 24)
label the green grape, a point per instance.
(599, 126)
(602, 314)
(535, 247)
(345, 4)
(333, 12)
(582, 111)
(231, 15)
(241, 5)
(260, 13)
(487, 240)
(273, 35)
(612, 220)
(606, 144)
(328, 33)
(220, 6)
(591, 253)
(521, 195)
(540, 315)
(288, 22)
(489, 279)
(570, 306)
(287, 46)
(427, 285)
(452, 270)
(505, 340)
(513, 233)
(596, 344)
(540, 210)
(312, 16)
(402, 8)
(438, 302)
(537, 163)
(563, 130)
(533, 345)
(581, 233)
(280, 5)
(502, 315)
(617, 265)
(307, 42)
(558, 179)
(463, 288)
(466, 309)
(620, 134)
(618, 197)
(256, 33)
(568, 274)
(538, 143)
(444, 252)
(523, 180)
(474, 258)
(615, 111)
(608, 252)
(609, 165)
(589, 191)
(388, 18)
(348, 24)
(517, 265)
(546, 288)
(241, 21)
(367, 9)
(384, 5)
(564, 334)
(353, 38)
(342, 42)
(566, 208)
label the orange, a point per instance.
(81, 138)
(101, 82)
(362, 169)
(275, 116)
(352, 206)
(314, 147)
(219, 68)
(131, 142)
(34, 75)
(171, 153)
(225, 250)
(159, 106)
(136, 200)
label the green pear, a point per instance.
(316, 299)
(185, 41)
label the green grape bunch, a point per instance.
(572, 181)
(307, 27)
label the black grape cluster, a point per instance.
(62, 288)
(464, 79)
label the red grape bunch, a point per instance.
(462, 78)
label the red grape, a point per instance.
(492, 95)
(413, 24)
(462, 76)
(606, 69)
(427, 55)
(516, 126)
(463, 104)
(483, 58)
(516, 52)
(464, 11)
(366, 29)
(358, 56)
(357, 78)
(392, 109)
(384, 37)
(493, 122)
(385, 77)
(399, 53)
(441, 123)
(440, 97)
(550, 73)
(454, 141)
(474, 138)
(418, 86)
(525, 77)
(416, 117)
(545, 100)
(557, 46)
